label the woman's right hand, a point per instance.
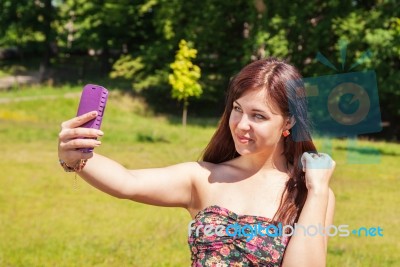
(167, 186)
(72, 137)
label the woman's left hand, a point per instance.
(318, 168)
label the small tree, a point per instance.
(184, 77)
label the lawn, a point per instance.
(48, 219)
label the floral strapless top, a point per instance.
(220, 237)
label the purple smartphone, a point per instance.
(94, 97)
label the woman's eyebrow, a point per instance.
(236, 102)
(260, 111)
(254, 109)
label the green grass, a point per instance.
(3, 74)
(45, 221)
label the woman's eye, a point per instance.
(236, 108)
(259, 116)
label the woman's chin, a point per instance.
(243, 151)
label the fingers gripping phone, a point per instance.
(93, 98)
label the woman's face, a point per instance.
(256, 127)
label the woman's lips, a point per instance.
(242, 139)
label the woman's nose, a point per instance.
(244, 123)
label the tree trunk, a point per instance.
(48, 18)
(184, 114)
(105, 65)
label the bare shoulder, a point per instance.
(213, 170)
(203, 173)
(196, 171)
(194, 168)
(208, 166)
(209, 179)
(189, 166)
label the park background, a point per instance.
(50, 49)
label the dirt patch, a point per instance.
(17, 80)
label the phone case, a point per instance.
(94, 97)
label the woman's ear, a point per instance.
(290, 122)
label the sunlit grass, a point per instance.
(44, 221)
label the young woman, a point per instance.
(260, 168)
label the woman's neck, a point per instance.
(274, 160)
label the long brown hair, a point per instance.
(284, 87)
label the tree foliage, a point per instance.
(185, 76)
(227, 34)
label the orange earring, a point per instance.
(286, 133)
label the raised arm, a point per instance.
(169, 186)
(318, 210)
